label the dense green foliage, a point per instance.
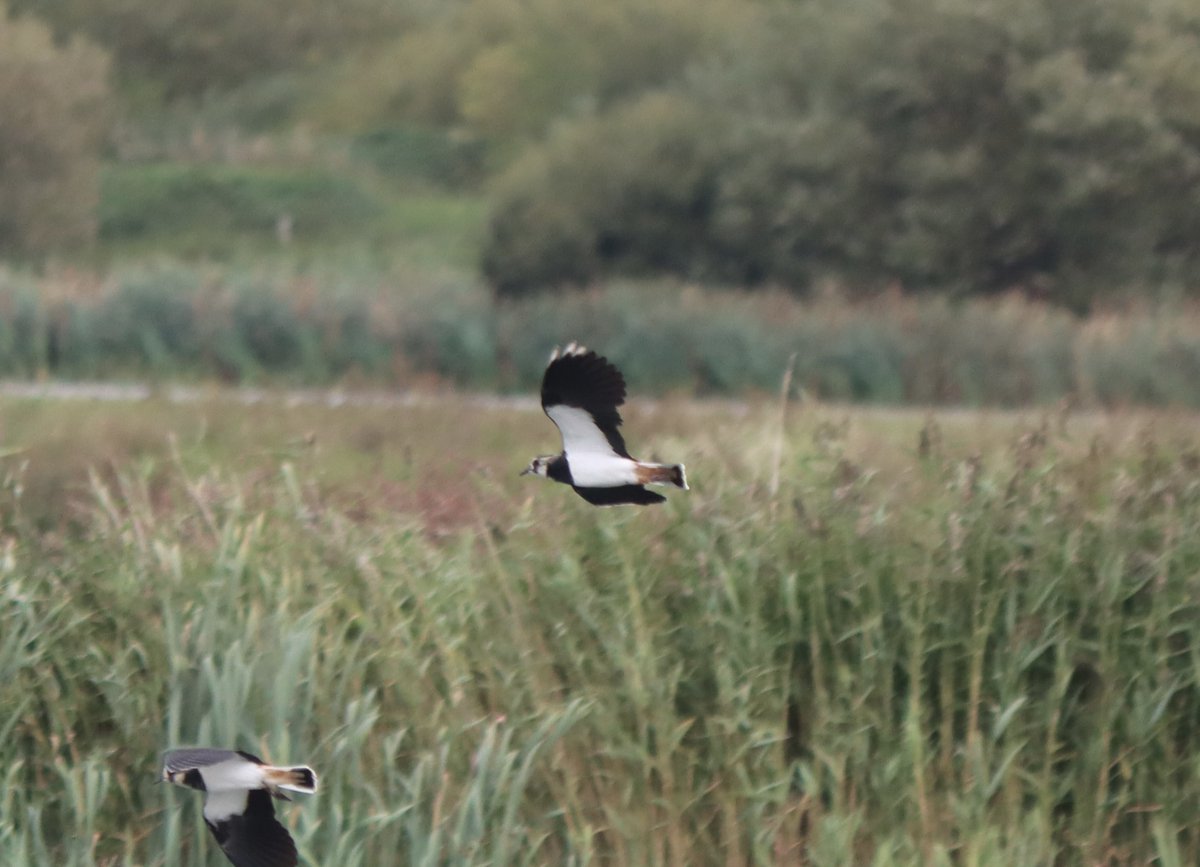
(962, 145)
(831, 651)
(507, 71)
(53, 104)
(180, 49)
(264, 325)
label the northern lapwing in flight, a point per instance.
(238, 788)
(581, 392)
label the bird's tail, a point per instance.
(662, 474)
(298, 779)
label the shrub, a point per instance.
(628, 193)
(960, 146)
(508, 71)
(54, 105)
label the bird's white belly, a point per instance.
(591, 470)
(219, 806)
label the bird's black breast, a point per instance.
(559, 470)
(193, 779)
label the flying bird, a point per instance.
(238, 789)
(580, 393)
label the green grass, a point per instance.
(436, 230)
(339, 216)
(169, 199)
(883, 638)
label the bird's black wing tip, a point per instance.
(583, 379)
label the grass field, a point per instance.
(339, 219)
(864, 637)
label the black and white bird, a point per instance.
(238, 789)
(581, 392)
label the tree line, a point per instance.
(963, 146)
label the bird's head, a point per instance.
(539, 466)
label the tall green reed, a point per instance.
(963, 660)
(312, 327)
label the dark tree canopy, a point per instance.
(961, 145)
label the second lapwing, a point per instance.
(238, 788)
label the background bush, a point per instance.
(176, 49)
(957, 145)
(508, 72)
(629, 192)
(54, 105)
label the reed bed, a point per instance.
(876, 639)
(167, 322)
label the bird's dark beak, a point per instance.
(527, 471)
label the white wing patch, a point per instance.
(593, 462)
(580, 435)
(219, 806)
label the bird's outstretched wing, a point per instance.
(202, 757)
(580, 393)
(254, 838)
